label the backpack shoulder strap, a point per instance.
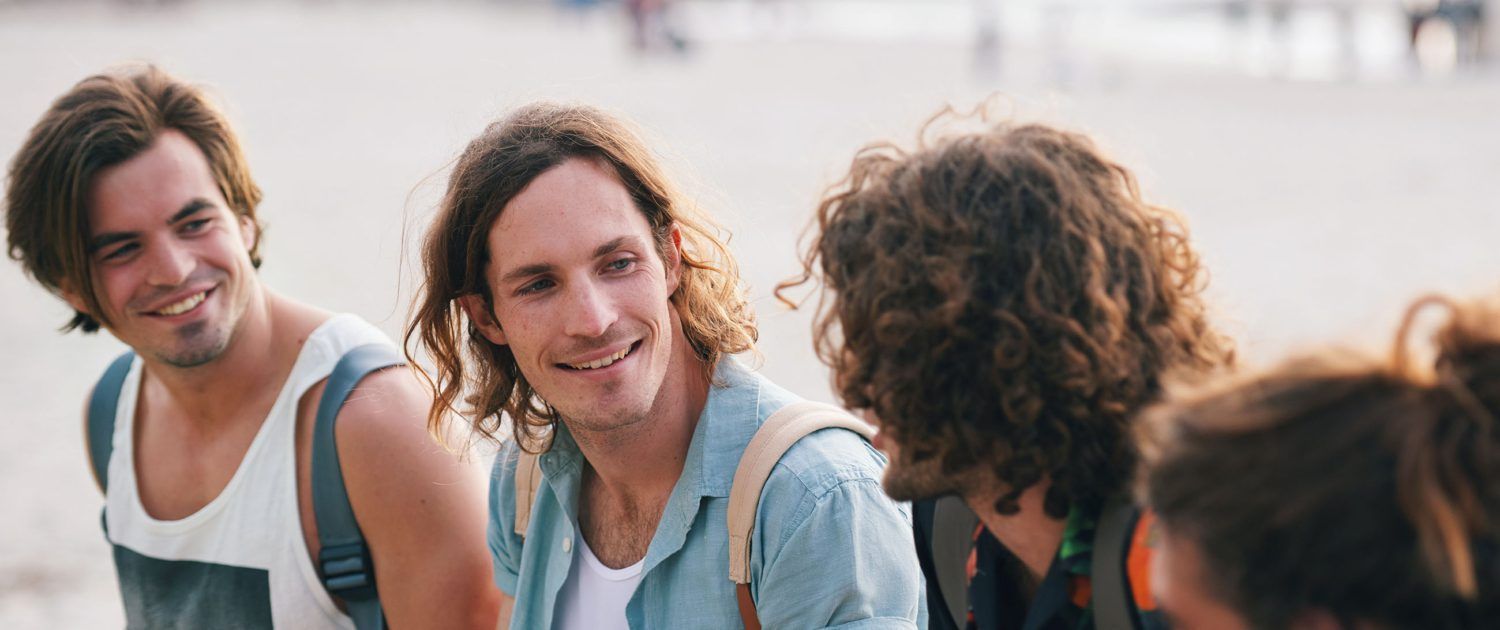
(771, 441)
(952, 539)
(343, 557)
(1111, 586)
(101, 417)
(528, 479)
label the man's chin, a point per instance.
(191, 358)
(603, 419)
(200, 351)
(920, 487)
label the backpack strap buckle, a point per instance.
(347, 571)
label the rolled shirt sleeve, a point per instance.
(505, 544)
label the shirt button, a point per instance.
(567, 545)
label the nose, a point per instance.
(170, 265)
(590, 311)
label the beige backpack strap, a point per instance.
(771, 441)
(528, 479)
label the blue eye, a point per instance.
(622, 264)
(533, 287)
(195, 226)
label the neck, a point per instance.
(643, 460)
(247, 366)
(1030, 534)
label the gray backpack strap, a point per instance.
(343, 556)
(101, 420)
(953, 525)
(1111, 585)
(772, 440)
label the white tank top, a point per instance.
(594, 595)
(240, 561)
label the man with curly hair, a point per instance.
(570, 287)
(1001, 303)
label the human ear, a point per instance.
(74, 298)
(672, 258)
(477, 308)
(247, 231)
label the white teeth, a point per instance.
(599, 363)
(183, 306)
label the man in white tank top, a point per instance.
(131, 200)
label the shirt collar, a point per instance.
(729, 419)
(731, 414)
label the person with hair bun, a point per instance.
(1335, 491)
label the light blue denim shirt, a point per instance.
(830, 549)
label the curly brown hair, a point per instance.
(1336, 482)
(1004, 299)
(493, 169)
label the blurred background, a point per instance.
(1334, 158)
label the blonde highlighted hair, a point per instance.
(492, 170)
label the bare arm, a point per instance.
(422, 511)
(507, 605)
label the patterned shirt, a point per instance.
(1003, 595)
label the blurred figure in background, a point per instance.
(1445, 33)
(1336, 491)
(652, 28)
(988, 39)
(1002, 303)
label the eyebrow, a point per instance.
(605, 249)
(101, 241)
(542, 268)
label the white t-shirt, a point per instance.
(594, 595)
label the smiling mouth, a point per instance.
(605, 361)
(187, 304)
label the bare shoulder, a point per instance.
(386, 410)
(403, 486)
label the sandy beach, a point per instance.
(1320, 206)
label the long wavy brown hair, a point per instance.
(1004, 300)
(102, 121)
(1364, 488)
(493, 169)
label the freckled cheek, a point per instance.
(526, 331)
(644, 299)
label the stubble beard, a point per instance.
(198, 343)
(919, 480)
(605, 426)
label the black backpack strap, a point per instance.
(952, 540)
(343, 557)
(1112, 599)
(101, 421)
